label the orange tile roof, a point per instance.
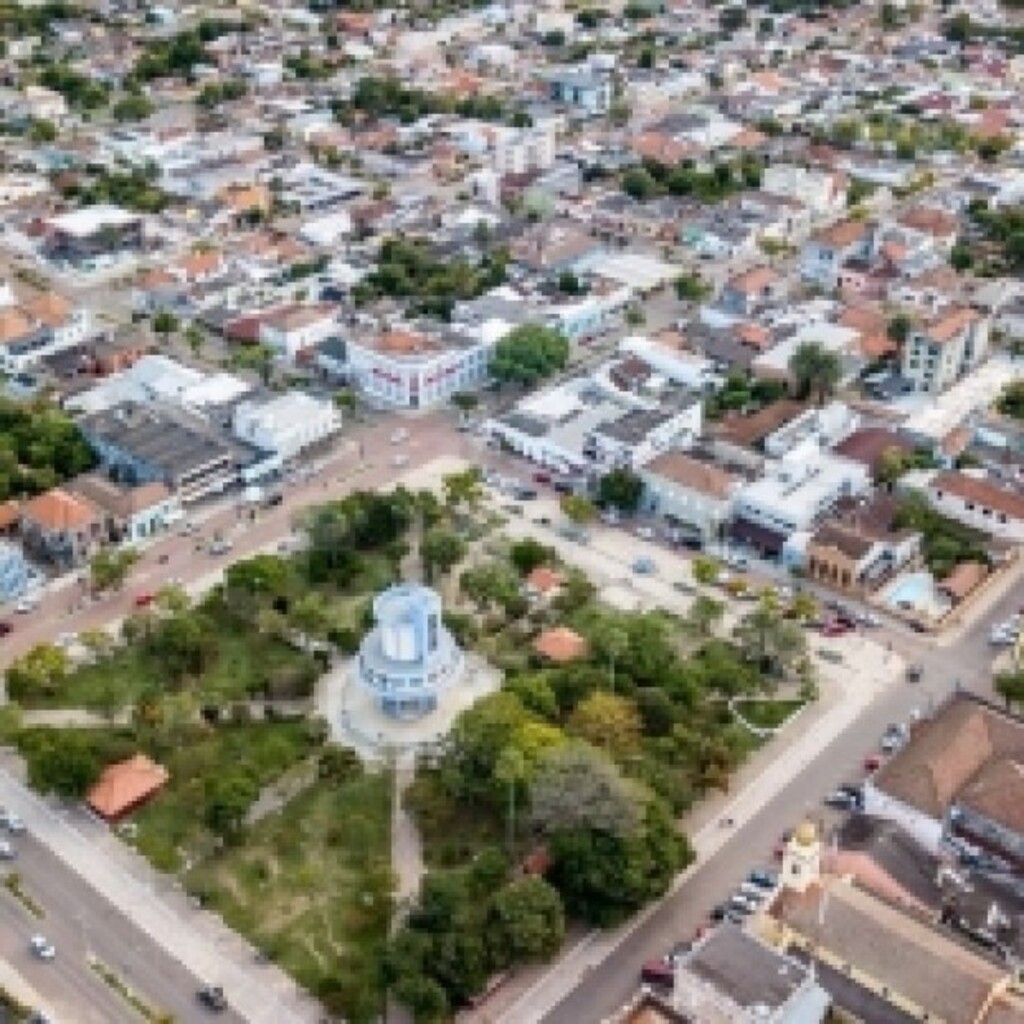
(404, 343)
(14, 324)
(8, 514)
(59, 510)
(544, 579)
(126, 784)
(49, 308)
(560, 645)
(200, 262)
(846, 232)
(754, 280)
(980, 492)
(950, 323)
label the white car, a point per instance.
(42, 947)
(26, 605)
(645, 533)
(399, 436)
(12, 823)
(7, 851)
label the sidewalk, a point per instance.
(200, 941)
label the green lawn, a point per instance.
(172, 827)
(311, 886)
(243, 666)
(768, 714)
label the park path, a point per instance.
(406, 844)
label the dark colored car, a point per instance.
(658, 972)
(763, 879)
(212, 998)
(542, 477)
(524, 493)
(6, 628)
(563, 487)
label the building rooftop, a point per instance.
(89, 219)
(692, 473)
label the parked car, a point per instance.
(840, 800)
(144, 600)
(524, 493)
(12, 823)
(834, 628)
(399, 436)
(7, 852)
(872, 763)
(6, 628)
(658, 972)
(644, 566)
(742, 904)
(542, 478)
(645, 533)
(26, 604)
(212, 998)
(914, 673)
(42, 947)
(764, 879)
(718, 912)
(564, 487)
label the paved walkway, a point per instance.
(406, 846)
(200, 941)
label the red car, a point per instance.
(144, 600)
(872, 763)
(6, 628)
(834, 629)
(542, 478)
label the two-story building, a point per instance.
(826, 251)
(60, 527)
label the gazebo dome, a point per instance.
(806, 833)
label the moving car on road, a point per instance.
(212, 998)
(12, 823)
(42, 947)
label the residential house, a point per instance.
(979, 502)
(586, 92)
(39, 326)
(751, 291)
(81, 235)
(855, 554)
(826, 251)
(291, 330)
(59, 527)
(130, 513)
(939, 353)
(691, 492)
(16, 575)
(824, 192)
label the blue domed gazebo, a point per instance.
(409, 656)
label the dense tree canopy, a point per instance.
(816, 370)
(528, 354)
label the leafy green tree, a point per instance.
(528, 354)
(706, 570)
(109, 567)
(898, 328)
(577, 509)
(1010, 686)
(609, 722)
(228, 798)
(41, 131)
(527, 554)
(621, 489)
(133, 106)
(477, 740)
(604, 877)
(578, 787)
(526, 921)
(692, 288)
(441, 550)
(704, 614)
(464, 489)
(638, 184)
(815, 370)
(165, 323)
(465, 402)
(770, 640)
(38, 673)
(195, 338)
(64, 763)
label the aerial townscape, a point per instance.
(512, 513)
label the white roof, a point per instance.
(328, 229)
(633, 269)
(555, 404)
(90, 219)
(217, 389)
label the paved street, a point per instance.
(82, 924)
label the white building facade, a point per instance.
(286, 425)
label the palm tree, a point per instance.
(815, 370)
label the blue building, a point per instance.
(409, 656)
(586, 92)
(16, 576)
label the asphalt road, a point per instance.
(82, 924)
(600, 991)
